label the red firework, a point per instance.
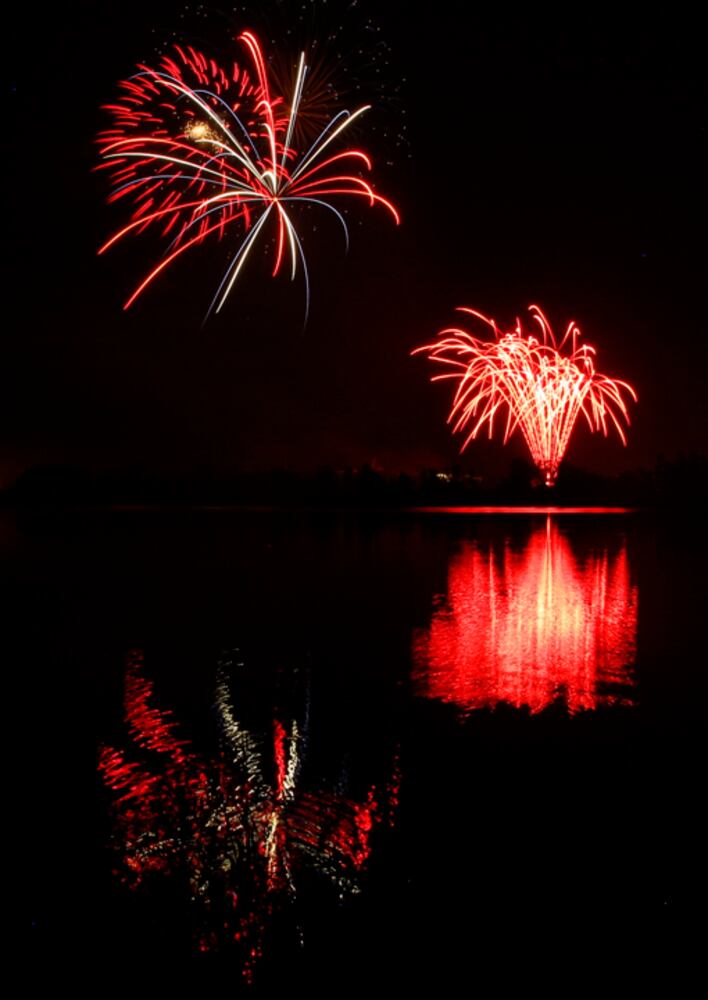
(199, 147)
(541, 390)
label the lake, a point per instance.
(329, 750)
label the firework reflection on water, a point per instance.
(238, 833)
(532, 626)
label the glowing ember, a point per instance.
(530, 384)
(200, 147)
(532, 626)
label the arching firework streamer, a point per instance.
(204, 150)
(529, 382)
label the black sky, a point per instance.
(557, 160)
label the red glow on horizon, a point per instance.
(528, 627)
(523, 510)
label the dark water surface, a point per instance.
(345, 750)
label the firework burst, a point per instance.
(203, 151)
(529, 383)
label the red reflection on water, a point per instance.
(235, 830)
(529, 627)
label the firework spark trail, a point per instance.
(541, 390)
(199, 148)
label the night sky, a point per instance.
(551, 160)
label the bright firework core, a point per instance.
(529, 382)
